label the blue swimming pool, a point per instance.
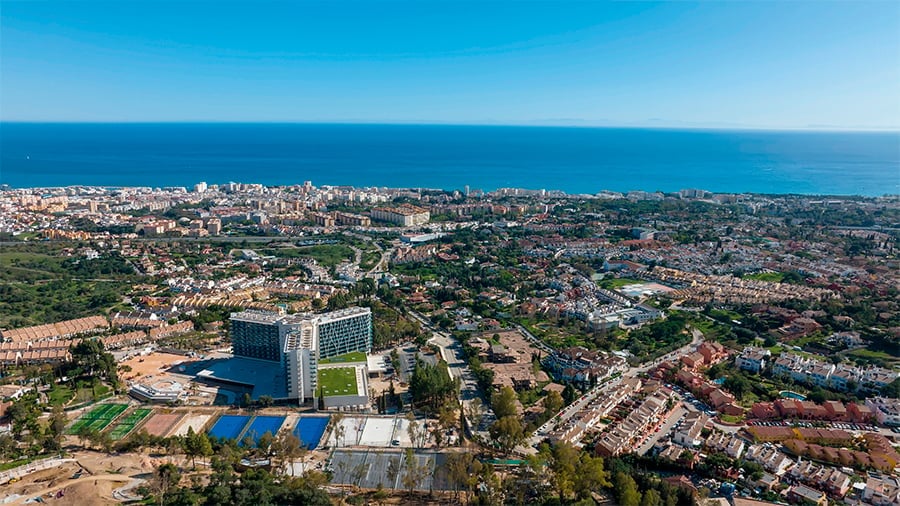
(792, 395)
(263, 424)
(229, 426)
(309, 430)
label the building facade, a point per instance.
(299, 342)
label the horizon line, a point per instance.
(585, 124)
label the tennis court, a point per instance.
(98, 418)
(309, 430)
(261, 425)
(369, 468)
(377, 432)
(128, 423)
(161, 423)
(229, 426)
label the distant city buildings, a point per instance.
(406, 215)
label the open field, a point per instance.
(773, 277)
(353, 356)
(338, 381)
(152, 364)
(128, 423)
(98, 418)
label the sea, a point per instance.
(572, 159)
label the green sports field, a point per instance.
(338, 381)
(98, 418)
(128, 423)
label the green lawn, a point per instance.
(128, 423)
(876, 357)
(616, 283)
(338, 381)
(353, 356)
(327, 255)
(774, 277)
(60, 395)
(14, 463)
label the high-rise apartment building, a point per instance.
(298, 342)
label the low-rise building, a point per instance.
(752, 359)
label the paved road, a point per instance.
(452, 353)
(664, 429)
(576, 407)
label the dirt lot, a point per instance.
(152, 364)
(100, 475)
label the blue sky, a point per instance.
(766, 64)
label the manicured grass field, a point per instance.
(99, 417)
(128, 423)
(774, 277)
(338, 381)
(353, 356)
(616, 283)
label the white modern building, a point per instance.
(299, 342)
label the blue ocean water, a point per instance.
(575, 160)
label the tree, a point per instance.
(626, 490)
(286, 448)
(569, 394)
(651, 498)
(90, 359)
(737, 385)
(412, 429)
(562, 460)
(891, 390)
(458, 468)
(339, 429)
(266, 401)
(410, 472)
(165, 477)
(393, 470)
(590, 475)
(504, 402)
(508, 433)
(553, 403)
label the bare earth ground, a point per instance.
(152, 365)
(100, 475)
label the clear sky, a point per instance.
(768, 64)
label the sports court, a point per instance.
(309, 430)
(353, 429)
(229, 426)
(377, 432)
(262, 424)
(127, 423)
(194, 421)
(161, 423)
(369, 468)
(98, 418)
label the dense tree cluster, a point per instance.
(431, 386)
